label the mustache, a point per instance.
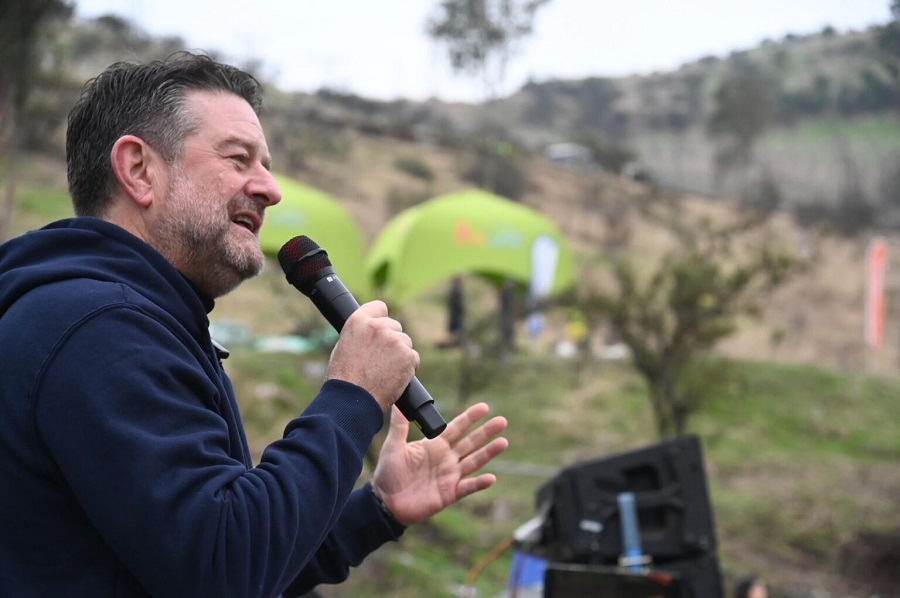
(244, 203)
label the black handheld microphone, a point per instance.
(307, 267)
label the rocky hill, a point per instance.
(378, 158)
(815, 117)
(803, 121)
(818, 318)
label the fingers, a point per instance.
(475, 461)
(468, 486)
(458, 430)
(378, 312)
(462, 423)
(374, 309)
(480, 436)
(374, 353)
(476, 447)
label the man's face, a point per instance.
(216, 193)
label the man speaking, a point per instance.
(124, 462)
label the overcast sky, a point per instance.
(379, 48)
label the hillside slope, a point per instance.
(757, 487)
(815, 319)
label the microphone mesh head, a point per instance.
(301, 259)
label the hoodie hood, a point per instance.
(93, 249)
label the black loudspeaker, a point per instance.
(597, 581)
(668, 481)
(694, 578)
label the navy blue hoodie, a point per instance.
(124, 468)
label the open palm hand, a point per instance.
(416, 480)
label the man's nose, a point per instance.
(263, 187)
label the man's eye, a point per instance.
(242, 158)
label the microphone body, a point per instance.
(335, 302)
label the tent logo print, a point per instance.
(288, 219)
(465, 235)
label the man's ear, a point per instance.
(134, 163)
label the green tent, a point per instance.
(304, 210)
(473, 232)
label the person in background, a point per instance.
(751, 587)
(456, 311)
(125, 464)
(506, 317)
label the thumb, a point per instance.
(398, 430)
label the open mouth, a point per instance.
(245, 222)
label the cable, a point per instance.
(483, 562)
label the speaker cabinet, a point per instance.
(668, 481)
(597, 581)
(695, 578)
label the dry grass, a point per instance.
(815, 319)
(818, 316)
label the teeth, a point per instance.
(244, 221)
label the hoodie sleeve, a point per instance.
(133, 426)
(362, 528)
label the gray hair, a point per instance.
(144, 100)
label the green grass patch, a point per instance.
(44, 202)
(881, 130)
(37, 206)
(804, 410)
(798, 460)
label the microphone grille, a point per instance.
(301, 258)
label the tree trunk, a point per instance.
(8, 160)
(679, 419)
(658, 402)
(9, 195)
